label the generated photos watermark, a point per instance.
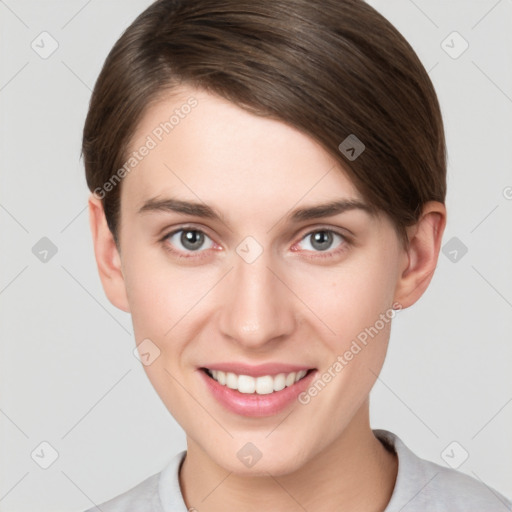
(152, 140)
(356, 346)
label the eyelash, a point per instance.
(346, 241)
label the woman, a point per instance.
(268, 182)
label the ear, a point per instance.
(422, 253)
(107, 256)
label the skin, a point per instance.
(289, 305)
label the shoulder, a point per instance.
(460, 491)
(146, 496)
(424, 485)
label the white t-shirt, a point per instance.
(421, 486)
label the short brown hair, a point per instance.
(330, 68)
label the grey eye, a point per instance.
(321, 240)
(190, 239)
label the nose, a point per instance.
(257, 306)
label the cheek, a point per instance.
(161, 294)
(355, 301)
(163, 299)
(350, 298)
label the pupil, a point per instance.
(192, 239)
(322, 240)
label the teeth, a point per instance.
(231, 381)
(260, 385)
(246, 384)
(279, 382)
(290, 379)
(220, 377)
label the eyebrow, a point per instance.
(329, 209)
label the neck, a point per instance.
(354, 473)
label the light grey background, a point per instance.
(68, 375)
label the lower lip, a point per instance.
(253, 404)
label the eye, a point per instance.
(185, 241)
(190, 240)
(322, 240)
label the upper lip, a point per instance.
(256, 370)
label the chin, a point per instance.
(270, 461)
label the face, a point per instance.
(247, 285)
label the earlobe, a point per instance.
(422, 254)
(107, 256)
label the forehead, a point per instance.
(202, 147)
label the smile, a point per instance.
(263, 385)
(256, 390)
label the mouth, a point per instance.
(270, 389)
(261, 385)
